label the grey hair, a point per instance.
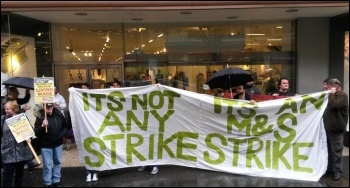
(332, 81)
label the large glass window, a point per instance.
(180, 51)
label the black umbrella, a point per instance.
(229, 77)
(20, 82)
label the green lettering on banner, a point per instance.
(268, 154)
(171, 95)
(113, 138)
(289, 103)
(152, 96)
(98, 103)
(217, 149)
(86, 101)
(111, 120)
(236, 143)
(297, 157)
(163, 144)
(278, 154)
(151, 147)
(136, 99)
(112, 97)
(161, 119)
(316, 102)
(87, 145)
(181, 145)
(132, 117)
(280, 123)
(259, 128)
(245, 123)
(251, 152)
(131, 147)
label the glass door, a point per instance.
(103, 76)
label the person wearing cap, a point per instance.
(51, 143)
(335, 118)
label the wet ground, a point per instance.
(74, 174)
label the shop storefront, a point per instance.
(185, 53)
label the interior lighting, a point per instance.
(150, 41)
(274, 39)
(107, 40)
(160, 35)
(279, 27)
(255, 34)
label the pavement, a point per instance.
(74, 174)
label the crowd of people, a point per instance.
(51, 120)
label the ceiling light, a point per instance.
(160, 35)
(232, 17)
(81, 14)
(150, 41)
(185, 12)
(292, 10)
(137, 19)
(274, 39)
(279, 27)
(256, 34)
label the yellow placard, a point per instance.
(44, 90)
(20, 127)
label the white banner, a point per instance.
(160, 125)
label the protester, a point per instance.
(91, 174)
(283, 88)
(325, 84)
(60, 102)
(335, 119)
(116, 84)
(13, 95)
(14, 155)
(154, 171)
(51, 143)
(242, 94)
(251, 89)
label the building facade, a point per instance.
(100, 42)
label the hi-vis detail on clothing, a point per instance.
(160, 125)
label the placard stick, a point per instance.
(34, 153)
(45, 117)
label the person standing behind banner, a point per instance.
(283, 88)
(251, 89)
(335, 119)
(14, 155)
(325, 84)
(60, 102)
(91, 174)
(51, 143)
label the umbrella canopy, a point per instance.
(20, 82)
(229, 77)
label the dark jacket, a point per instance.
(20, 101)
(11, 151)
(335, 116)
(252, 90)
(56, 129)
(288, 93)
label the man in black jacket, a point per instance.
(51, 143)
